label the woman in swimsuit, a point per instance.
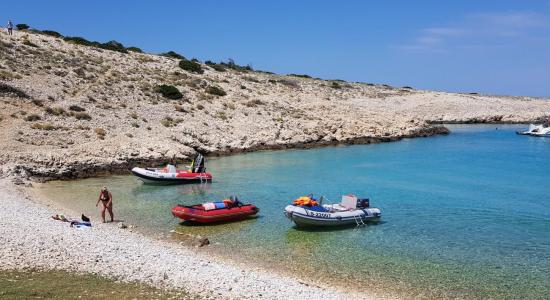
(106, 199)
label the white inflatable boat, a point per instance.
(171, 175)
(351, 211)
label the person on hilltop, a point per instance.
(106, 199)
(10, 27)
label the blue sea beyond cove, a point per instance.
(464, 215)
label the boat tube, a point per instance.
(215, 212)
(536, 130)
(170, 175)
(351, 211)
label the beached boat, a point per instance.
(537, 130)
(171, 175)
(214, 212)
(306, 211)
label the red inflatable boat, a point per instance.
(215, 212)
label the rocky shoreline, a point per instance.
(86, 169)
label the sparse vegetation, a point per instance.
(56, 111)
(45, 126)
(134, 49)
(191, 66)
(5, 75)
(254, 103)
(135, 124)
(133, 115)
(22, 26)
(335, 85)
(111, 45)
(172, 54)
(76, 108)
(50, 33)
(230, 64)
(169, 91)
(215, 90)
(289, 83)
(38, 103)
(32, 118)
(215, 66)
(82, 116)
(170, 122)
(221, 115)
(100, 133)
(9, 90)
(300, 75)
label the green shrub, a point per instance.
(100, 133)
(114, 46)
(191, 66)
(169, 91)
(22, 26)
(135, 124)
(232, 65)
(76, 108)
(82, 116)
(218, 68)
(300, 75)
(56, 111)
(170, 122)
(215, 66)
(215, 90)
(51, 33)
(290, 83)
(32, 118)
(80, 41)
(12, 91)
(173, 54)
(38, 103)
(46, 126)
(335, 85)
(111, 45)
(254, 103)
(133, 115)
(134, 49)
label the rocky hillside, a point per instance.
(69, 108)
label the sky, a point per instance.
(491, 46)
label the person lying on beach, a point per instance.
(106, 199)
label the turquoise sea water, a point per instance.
(465, 215)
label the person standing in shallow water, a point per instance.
(106, 199)
(10, 28)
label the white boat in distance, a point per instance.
(537, 130)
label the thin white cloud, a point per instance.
(482, 29)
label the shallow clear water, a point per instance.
(464, 215)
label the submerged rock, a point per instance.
(204, 242)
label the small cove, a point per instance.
(464, 215)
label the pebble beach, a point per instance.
(31, 239)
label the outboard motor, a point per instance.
(363, 203)
(198, 164)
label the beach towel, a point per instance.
(219, 204)
(209, 206)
